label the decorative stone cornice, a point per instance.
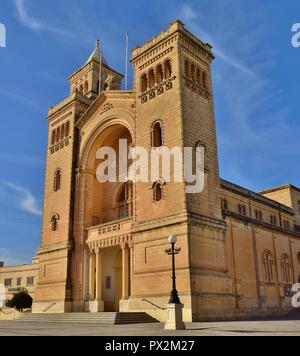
(157, 90)
(101, 101)
(60, 145)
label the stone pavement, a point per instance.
(244, 328)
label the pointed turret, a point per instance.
(86, 79)
(95, 56)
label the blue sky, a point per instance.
(256, 87)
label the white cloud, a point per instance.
(25, 198)
(25, 18)
(189, 15)
(256, 127)
(34, 24)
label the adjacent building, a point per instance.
(19, 278)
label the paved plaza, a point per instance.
(249, 328)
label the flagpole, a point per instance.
(126, 68)
(100, 68)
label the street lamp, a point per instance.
(174, 299)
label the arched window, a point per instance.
(81, 89)
(57, 180)
(86, 87)
(157, 140)
(242, 209)
(168, 69)
(124, 201)
(67, 129)
(54, 222)
(123, 195)
(193, 72)
(151, 79)
(58, 134)
(187, 68)
(53, 137)
(144, 83)
(62, 134)
(159, 74)
(224, 204)
(198, 76)
(273, 220)
(286, 268)
(268, 266)
(204, 80)
(157, 192)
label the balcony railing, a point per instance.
(109, 234)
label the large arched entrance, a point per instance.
(108, 210)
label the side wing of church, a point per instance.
(103, 244)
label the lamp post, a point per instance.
(174, 319)
(174, 299)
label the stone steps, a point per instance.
(90, 318)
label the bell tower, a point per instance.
(86, 80)
(175, 108)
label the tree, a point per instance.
(21, 301)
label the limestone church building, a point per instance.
(103, 244)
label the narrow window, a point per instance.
(62, 135)
(53, 137)
(54, 223)
(57, 180)
(86, 87)
(159, 74)
(67, 129)
(151, 79)
(81, 89)
(144, 83)
(157, 135)
(224, 204)
(187, 69)
(168, 69)
(198, 76)
(204, 80)
(268, 266)
(157, 192)
(193, 72)
(58, 134)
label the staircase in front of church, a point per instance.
(90, 318)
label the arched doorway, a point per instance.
(106, 206)
(106, 201)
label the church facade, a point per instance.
(103, 244)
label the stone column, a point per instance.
(92, 277)
(131, 267)
(99, 275)
(125, 272)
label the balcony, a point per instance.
(113, 233)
